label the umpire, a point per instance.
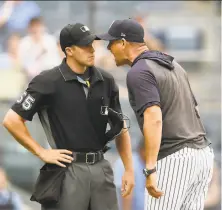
(73, 101)
(179, 160)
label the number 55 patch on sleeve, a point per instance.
(26, 100)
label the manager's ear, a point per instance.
(124, 42)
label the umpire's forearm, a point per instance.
(123, 146)
(16, 126)
(152, 130)
(127, 202)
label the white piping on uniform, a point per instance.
(62, 73)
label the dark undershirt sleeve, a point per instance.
(144, 89)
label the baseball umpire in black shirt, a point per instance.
(74, 101)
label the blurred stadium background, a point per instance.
(188, 30)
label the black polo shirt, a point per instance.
(71, 119)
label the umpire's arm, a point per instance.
(32, 100)
(123, 146)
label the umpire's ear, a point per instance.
(68, 51)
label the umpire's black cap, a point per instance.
(128, 29)
(76, 34)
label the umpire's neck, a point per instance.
(75, 66)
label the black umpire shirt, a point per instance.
(71, 118)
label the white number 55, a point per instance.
(28, 102)
(22, 97)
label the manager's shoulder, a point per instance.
(140, 64)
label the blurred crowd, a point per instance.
(27, 48)
(9, 200)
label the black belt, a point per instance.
(88, 158)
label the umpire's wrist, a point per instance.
(129, 169)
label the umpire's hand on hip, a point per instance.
(151, 186)
(56, 156)
(128, 183)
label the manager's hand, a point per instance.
(151, 186)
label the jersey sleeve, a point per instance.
(34, 97)
(144, 88)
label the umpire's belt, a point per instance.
(88, 158)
